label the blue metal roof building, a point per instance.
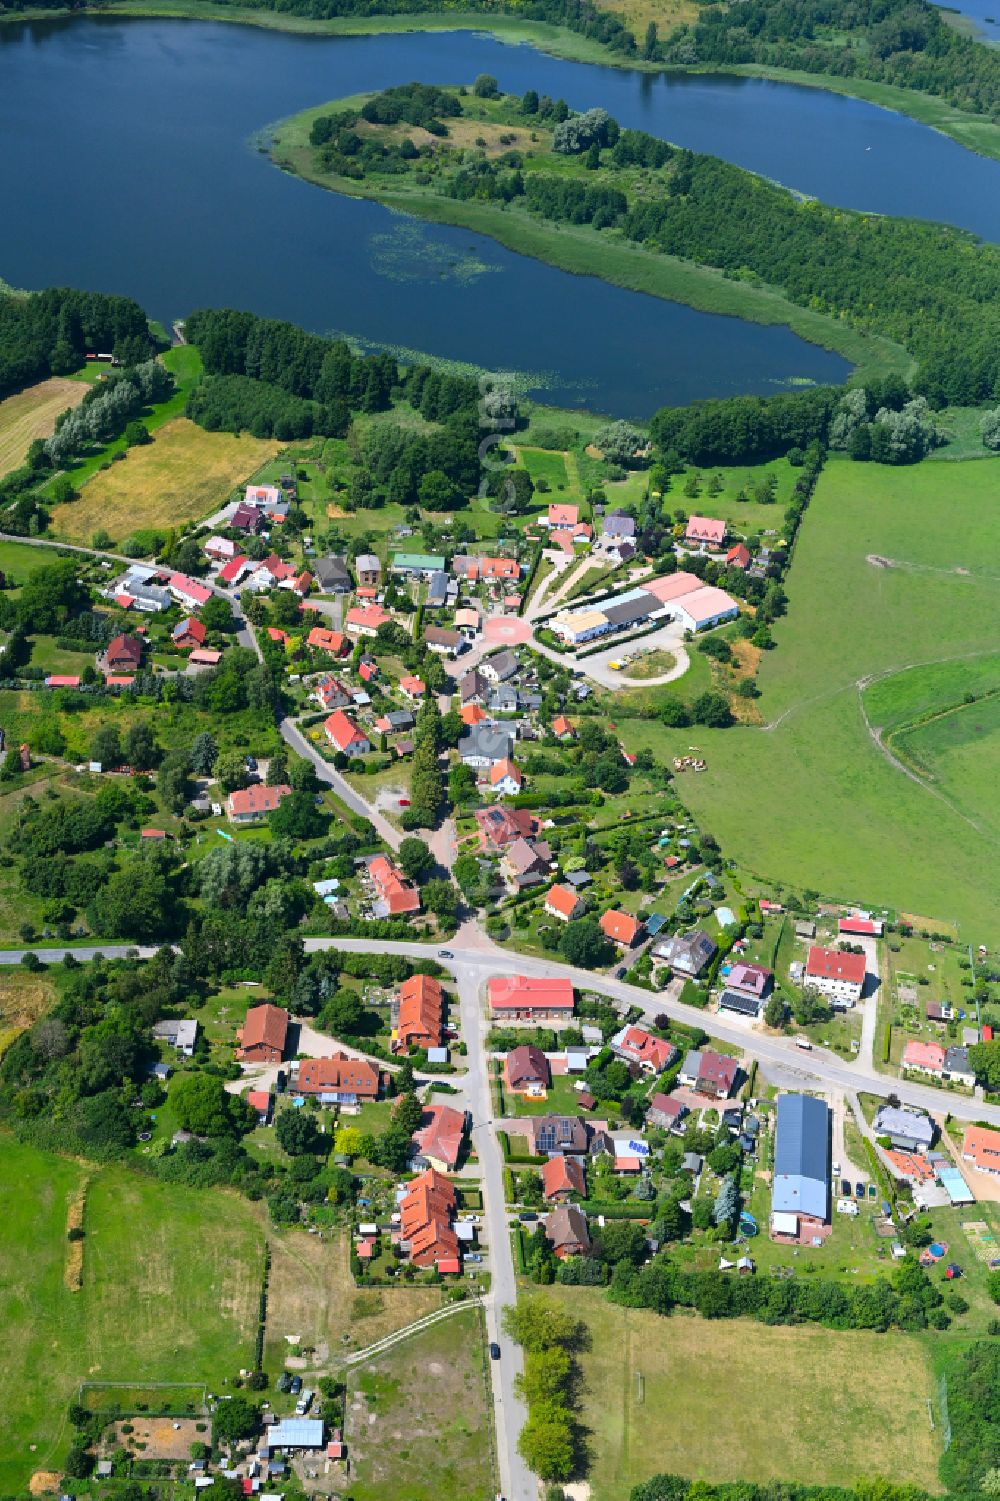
(295, 1433)
(802, 1157)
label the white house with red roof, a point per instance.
(330, 693)
(840, 977)
(860, 925)
(344, 735)
(636, 1045)
(527, 998)
(188, 592)
(621, 927)
(562, 517)
(248, 804)
(562, 902)
(505, 778)
(924, 1058)
(705, 531)
(364, 620)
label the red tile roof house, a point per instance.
(566, 1231)
(636, 1045)
(338, 1080)
(562, 1177)
(202, 657)
(365, 620)
(425, 1214)
(738, 556)
(705, 531)
(188, 592)
(421, 1006)
(857, 926)
(221, 549)
(526, 1071)
(263, 1035)
(709, 1073)
(344, 735)
(335, 642)
(923, 1058)
(839, 976)
(123, 652)
(330, 693)
(394, 891)
(563, 903)
(981, 1147)
(563, 516)
(666, 1112)
(520, 998)
(620, 927)
(562, 729)
(252, 803)
(499, 827)
(412, 687)
(505, 778)
(188, 634)
(233, 571)
(261, 1100)
(439, 1139)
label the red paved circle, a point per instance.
(508, 629)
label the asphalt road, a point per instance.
(294, 737)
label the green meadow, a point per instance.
(171, 1278)
(893, 592)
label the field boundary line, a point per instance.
(380, 1346)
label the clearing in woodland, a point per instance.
(891, 594)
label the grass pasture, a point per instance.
(700, 1398)
(170, 1284)
(32, 414)
(812, 796)
(418, 1418)
(179, 477)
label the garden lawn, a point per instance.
(810, 797)
(418, 1421)
(171, 1278)
(181, 476)
(32, 414)
(18, 559)
(720, 1402)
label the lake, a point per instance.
(127, 166)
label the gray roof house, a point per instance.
(501, 667)
(503, 699)
(473, 687)
(437, 590)
(958, 1067)
(686, 955)
(801, 1183)
(619, 526)
(909, 1130)
(484, 745)
(332, 575)
(181, 1035)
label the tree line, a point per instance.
(905, 43)
(52, 332)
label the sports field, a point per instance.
(892, 591)
(181, 476)
(32, 414)
(718, 1401)
(171, 1278)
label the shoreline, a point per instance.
(582, 251)
(976, 133)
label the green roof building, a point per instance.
(417, 562)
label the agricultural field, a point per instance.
(171, 1278)
(418, 1420)
(889, 576)
(727, 1421)
(32, 414)
(311, 1293)
(181, 476)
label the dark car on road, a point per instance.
(494, 1350)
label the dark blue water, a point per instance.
(124, 165)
